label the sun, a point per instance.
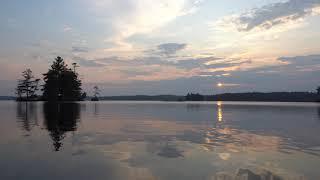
(219, 84)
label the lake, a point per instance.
(159, 140)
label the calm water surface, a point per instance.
(159, 140)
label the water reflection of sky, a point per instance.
(159, 140)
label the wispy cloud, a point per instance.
(67, 28)
(154, 68)
(87, 63)
(130, 17)
(302, 63)
(303, 60)
(169, 49)
(271, 15)
(77, 49)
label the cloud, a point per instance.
(147, 68)
(12, 23)
(76, 49)
(87, 63)
(186, 63)
(131, 17)
(303, 60)
(191, 63)
(137, 72)
(269, 16)
(225, 63)
(302, 63)
(169, 49)
(154, 68)
(151, 75)
(67, 28)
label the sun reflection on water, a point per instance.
(219, 115)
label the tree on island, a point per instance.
(318, 94)
(27, 86)
(96, 93)
(61, 83)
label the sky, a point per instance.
(150, 47)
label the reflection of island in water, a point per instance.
(60, 118)
(27, 115)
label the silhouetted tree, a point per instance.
(318, 94)
(27, 86)
(74, 65)
(83, 96)
(61, 83)
(96, 93)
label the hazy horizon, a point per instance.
(145, 47)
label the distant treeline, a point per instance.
(258, 96)
(251, 96)
(144, 98)
(5, 98)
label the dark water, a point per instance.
(150, 140)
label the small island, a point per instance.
(61, 83)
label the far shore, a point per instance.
(251, 96)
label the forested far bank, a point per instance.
(250, 96)
(256, 96)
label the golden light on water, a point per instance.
(219, 111)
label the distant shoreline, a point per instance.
(250, 96)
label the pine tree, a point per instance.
(61, 83)
(27, 86)
(96, 93)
